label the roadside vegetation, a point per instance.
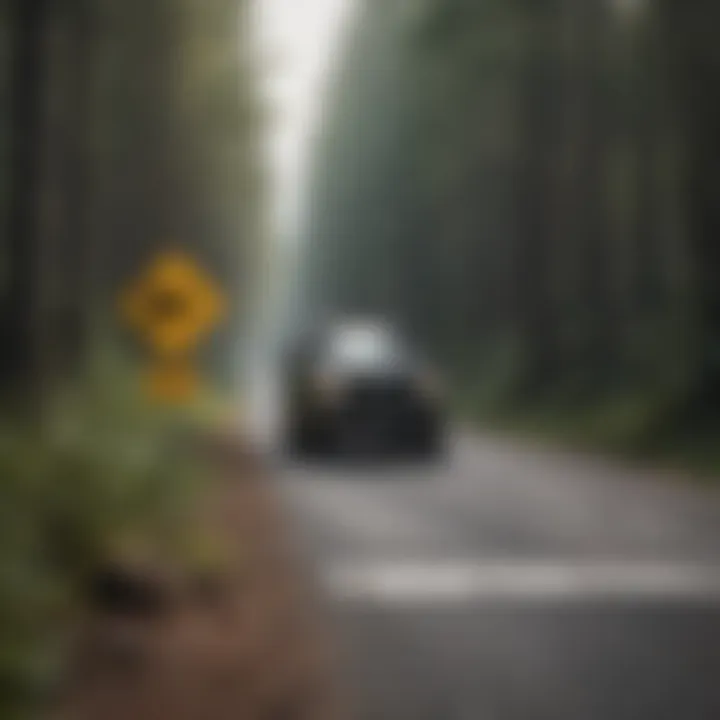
(102, 480)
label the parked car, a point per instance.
(356, 388)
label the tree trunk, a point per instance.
(533, 250)
(18, 358)
(694, 63)
(81, 64)
(596, 304)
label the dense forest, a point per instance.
(127, 127)
(526, 187)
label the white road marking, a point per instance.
(410, 583)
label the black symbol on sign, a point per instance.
(168, 305)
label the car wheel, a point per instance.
(297, 443)
(434, 447)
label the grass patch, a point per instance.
(632, 426)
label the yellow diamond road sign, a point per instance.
(173, 305)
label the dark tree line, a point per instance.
(529, 188)
(126, 127)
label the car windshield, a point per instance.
(365, 347)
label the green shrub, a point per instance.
(100, 469)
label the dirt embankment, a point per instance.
(244, 643)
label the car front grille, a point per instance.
(380, 397)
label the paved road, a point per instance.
(516, 585)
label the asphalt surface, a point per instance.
(515, 584)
